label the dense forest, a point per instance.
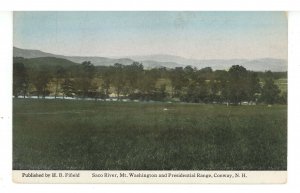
(61, 78)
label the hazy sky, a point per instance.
(199, 35)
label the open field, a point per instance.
(88, 135)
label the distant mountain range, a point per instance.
(169, 61)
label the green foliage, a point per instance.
(134, 82)
(178, 81)
(237, 84)
(84, 82)
(274, 75)
(20, 80)
(41, 80)
(270, 92)
(68, 87)
(133, 75)
(118, 79)
(60, 75)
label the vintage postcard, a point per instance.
(150, 97)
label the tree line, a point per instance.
(185, 84)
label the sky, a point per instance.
(197, 35)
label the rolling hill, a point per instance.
(160, 60)
(98, 61)
(45, 61)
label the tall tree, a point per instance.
(270, 92)
(178, 81)
(20, 80)
(67, 87)
(237, 84)
(253, 87)
(41, 81)
(60, 74)
(221, 83)
(86, 76)
(147, 85)
(118, 79)
(132, 76)
(106, 81)
(197, 91)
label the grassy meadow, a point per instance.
(90, 135)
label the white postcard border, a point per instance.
(149, 177)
